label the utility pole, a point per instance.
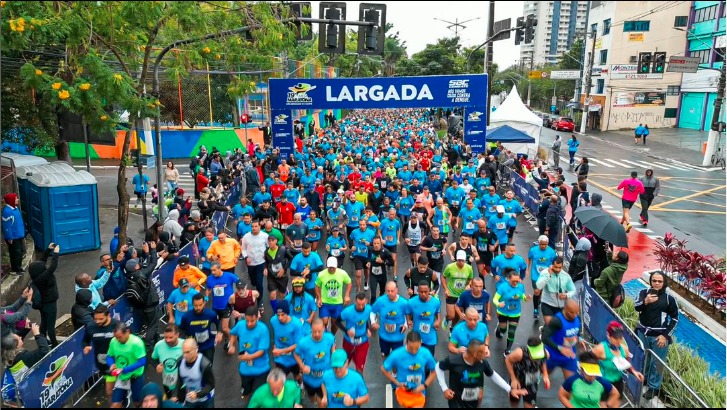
(530, 83)
(713, 130)
(589, 70)
(489, 58)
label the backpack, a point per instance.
(617, 297)
(137, 290)
(37, 300)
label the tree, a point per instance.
(109, 49)
(571, 60)
(436, 59)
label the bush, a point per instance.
(693, 370)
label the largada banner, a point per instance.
(447, 91)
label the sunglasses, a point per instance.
(657, 281)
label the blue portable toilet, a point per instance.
(25, 171)
(10, 162)
(64, 210)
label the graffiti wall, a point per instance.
(622, 115)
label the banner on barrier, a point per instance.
(475, 128)
(52, 381)
(526, 192)
(596, 316)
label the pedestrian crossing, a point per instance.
(186, 182)
(631, 165)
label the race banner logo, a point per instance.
(55, 382)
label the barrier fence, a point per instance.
(63, 372)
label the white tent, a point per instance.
(514, 113)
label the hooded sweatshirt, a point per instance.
(579, 261)
(171, 224)
(81, 314)
(45, 278)
(153, 389)
(659, 318)
(610, 278)
(596, 201)
(651, 185)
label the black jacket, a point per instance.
(659, 318)
(81, 313)
(45, 278)
(148, 263)
(31, 358)
(552, 217)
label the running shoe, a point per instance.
(366, 286)
(628, 228)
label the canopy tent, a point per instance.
(514, 114)
(507, 134)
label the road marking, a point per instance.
(654, 236)
(675, 166)
(389, 396)
(659, 207)
(600, 162)
(650, 165)
(621, 164)
(634, 163)
(607, 206)
(644, 230)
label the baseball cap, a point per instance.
(340, 191)
(183, 282)
(283, 306)
(298, 281)
(335, 229)
(461, 255)
(183, 260)
(240, 284)
(537, 352)
(615, 330)
(591, 369)
(339, 358)
(500, 209)
(332, 262)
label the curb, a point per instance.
(12, 286)
(686, 306)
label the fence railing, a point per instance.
(679, 394)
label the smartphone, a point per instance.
(652, 292)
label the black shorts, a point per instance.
(454, 210)
(276, 284)
(224, 313)
(294, 369)
(359, 262)
(312, 391)
(451, 300)
(503, 318)
(139, 194)
(249, 384)
(627, 204)
(391, 248)
(436, 265)
(529, 398)
(548, 310)
(413, 249)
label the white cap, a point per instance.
(543, 238)
(340, 191)
(500, 209)
(332, 262)
(461, 255)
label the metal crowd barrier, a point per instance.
(669, 376)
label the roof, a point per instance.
(513, 109)
(506, 133)
(64, 179)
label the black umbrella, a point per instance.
(603, 225)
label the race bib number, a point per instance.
(570, 341)
(169, 379)
(277, 267)
(470, 393)
(354, 218)
(218, 291)
(357, 340)
(122, 384)
(317, 374)
(459, 283)
(500, 225)
(469, 226)
(336, 252)
(389, 238)
(298, 243)
(284, 226)
(390, 327)
(455, 203)
(441, 223)
(621, 363)
(202, 337)
(383, 184)
(332, 293)
(414, 379)
(425, 327)
(493, 208)
(512, 306)
(376, 270)
(436, 255)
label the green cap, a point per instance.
(339, 358)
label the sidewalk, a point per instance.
(677, 144)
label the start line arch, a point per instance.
(463, 91)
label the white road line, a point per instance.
(634, 163)
(674, 166)
(389, 396)
(654, 236)
(600, 162)
(621, 164)
(652, 166)
(607, 206)
(644, 230)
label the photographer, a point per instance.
(141, 293)
(17, 361)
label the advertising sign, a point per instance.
(636, 37)
(565, 75)
(639, 99)
(679, 64)
(526, 192)
(283, 132)
(629, 72)
(475, 127)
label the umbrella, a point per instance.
(603, 225)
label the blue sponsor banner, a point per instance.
(54, 379)
(282, 128)
(526, 192)
(596, 315)
(475, 128)
(378, 92)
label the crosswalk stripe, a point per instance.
(692, 167)
(654, 236)
(621, 164)
(644, 230)
(650, 165)
(600, 162)
(674, 166)
(634, 163)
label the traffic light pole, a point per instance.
(713, 138)
(587, 85)
(489, 58)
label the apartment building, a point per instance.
(559, 22)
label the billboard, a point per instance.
(639, 99)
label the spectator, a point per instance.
(12, 316)
(44, 279)
(611, 276)
(18, 361)
(116, 285)
(114, 244)
(579, 260)
(171, 224)
(152, 397)
(152, 234)
(552, 222)
(81, 313)
(14, 232)
(149, 296)
(84, 281)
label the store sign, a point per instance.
(629, 72)
(679, 64)
(639, 99)
(636, 37)
(565, 75)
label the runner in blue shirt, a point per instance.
(253, 343)
(500, 224)
(490, 202)
(455, 196)
(390, 315)
(336, 245)
(509, 259)
(354, 211)
(361, 239)
(468, 218)
(411, 362)
(261, 196)
(141, 186)
(197, 323)
(313, 355)
(355, 322)
(315, 227)
(220, 286)
(423, 315)
(540, 257)
(513, 208)
(508, 299)
(203, 246)
(342, 387)
(292, 194)
(389, 230)
(287, 331)
(307, 264)
(302, 305)
(476, 297)
(244, 226)
(467, 330)
(180, 301)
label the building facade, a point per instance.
(621, 97)
(705, 38)
(559, 22)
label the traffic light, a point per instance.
(244, 119)
(371, 38)
(644, 66)
(303, 30)
(659, 61)
(530, 23)
(519, 31)
(332, 37)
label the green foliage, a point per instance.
(443, 57)
(571, 60)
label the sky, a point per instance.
(416, 23)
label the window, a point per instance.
(606, 26)
(594, 27)
(706, 14)
(604, 57)
(702, 54)
(719, 55)
(600, 85)
(673, 90)
(681, 21)
(636, 26)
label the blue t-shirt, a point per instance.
(462, 335)
(243, 228)
(405, 205)
(490, 203)
(203, 246)
(198, 327)
(238, 210)
(390, 229)
(140, 185)
(222, 288)
(304, 212)
(423, 315)
(512, 296)
(284, 336)
(410, 367)
(392, 315)
(469, 219)
(500, 263)
(293, 195)
(252, 341)
(354, 211)
(466, 299)
(358, 320)
(314, 235)
(301, 309)
(500, 224)
(181, 302)
(541, 259)
(312, 261)
(352, 384)
(261, 197)
(361, 240)
(454, 196)
(334, 244)
(316, 355)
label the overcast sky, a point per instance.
(416, 23)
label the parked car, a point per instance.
(549, 121)
(563, 124)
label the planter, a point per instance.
(694, 304)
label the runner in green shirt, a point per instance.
(166, 354)
(277, 393)
(330, 293)
(456, 279)
(126, 359)
(273, 232)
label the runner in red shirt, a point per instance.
(276, 190)
(286, 211)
